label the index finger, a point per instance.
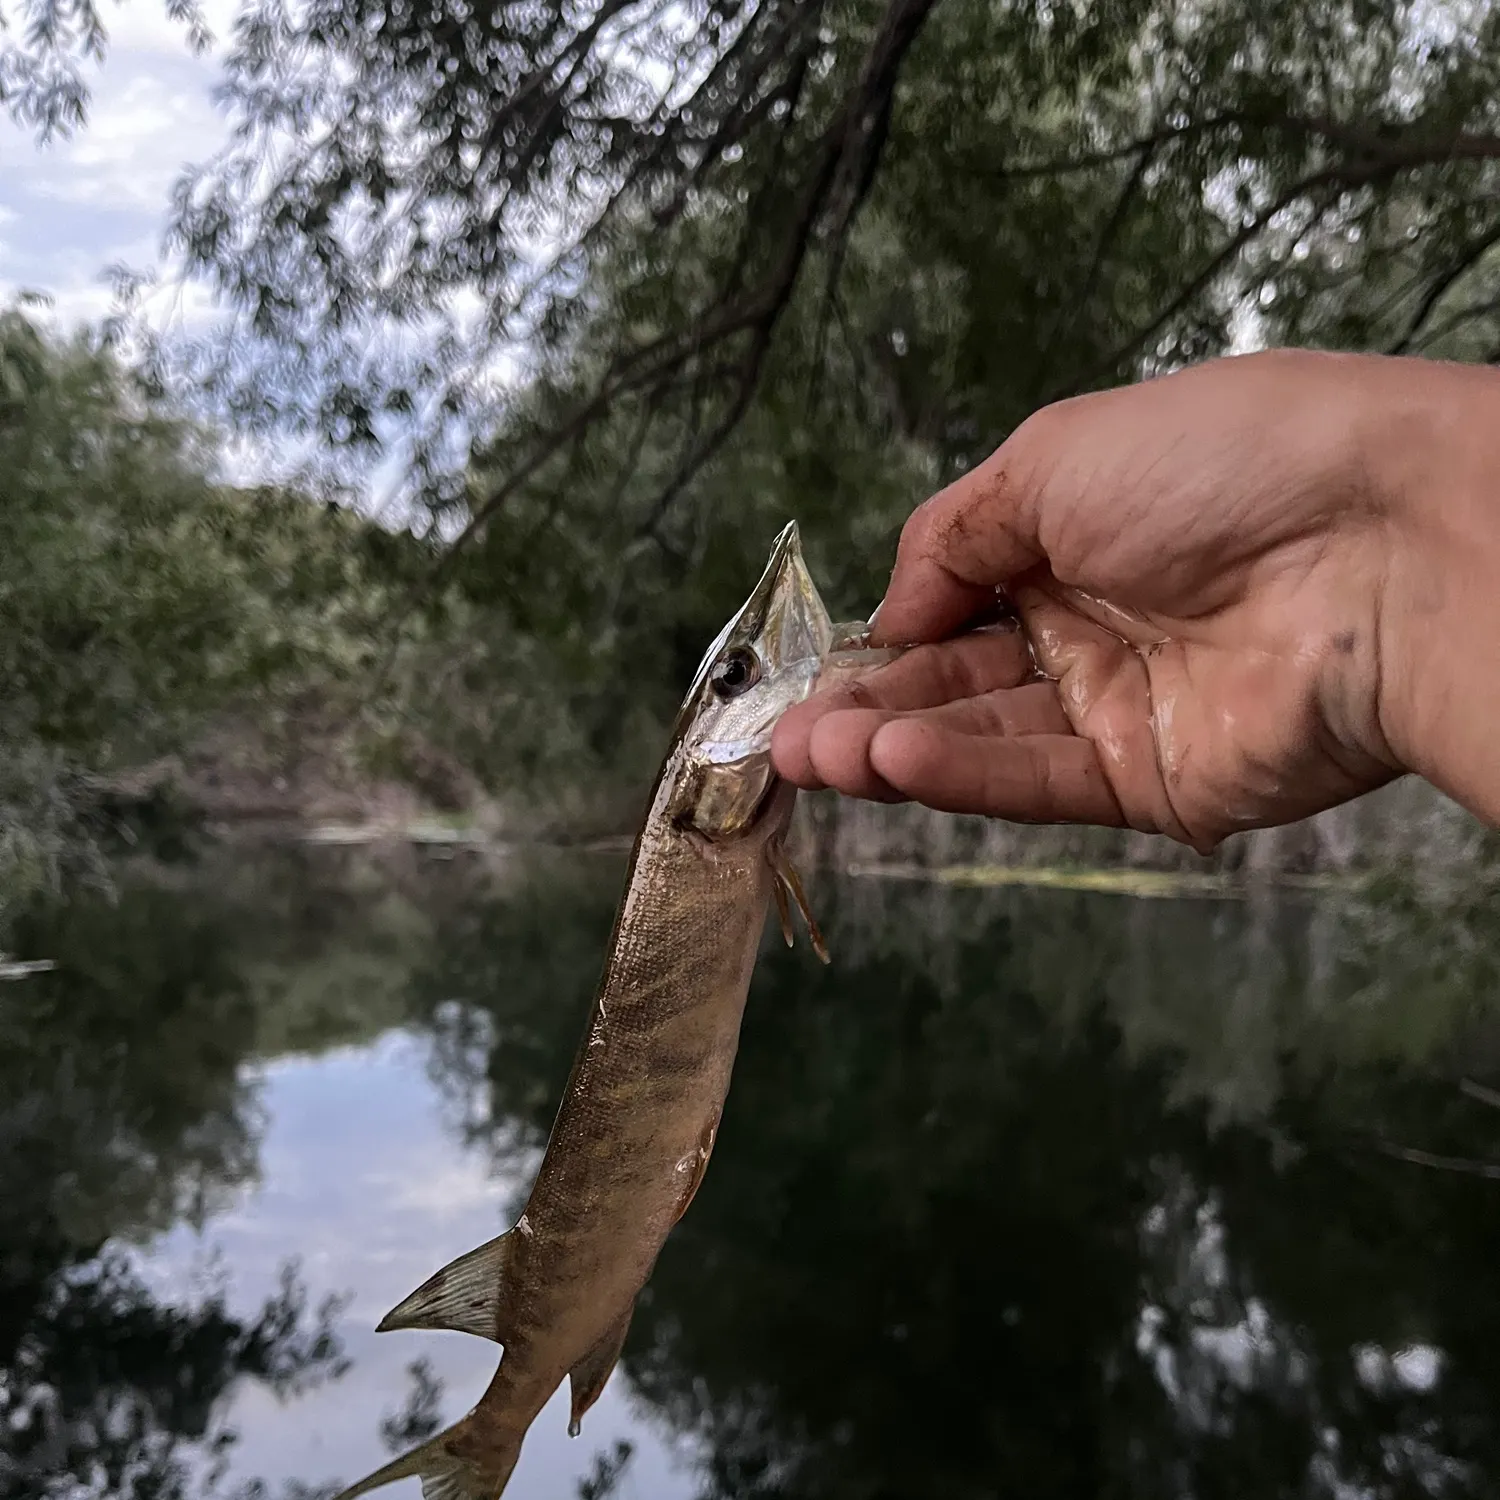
(964, 668)
(954, 549)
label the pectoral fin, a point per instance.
(467, 1295)
(788, 885)
(591, 1374)
(446, 1474)
(783, 911)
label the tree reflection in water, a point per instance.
(122, 1110)
(1048, 1194)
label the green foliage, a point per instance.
(1064, 196)
(138, 592)
(140, 596)
(732, 263)
(1083, 191)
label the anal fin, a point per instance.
(591, 1374)
(788, 884)
(466, 1295)
(457, 1464)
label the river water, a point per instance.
(1033, 1193)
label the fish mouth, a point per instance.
(786, 558)
(784, 616)
(727, 779)
(796, 629)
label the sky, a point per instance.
(73, 208)
(70, 209)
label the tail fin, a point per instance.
(479, 1471)
(466, 1295)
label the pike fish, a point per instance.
(637, 1122)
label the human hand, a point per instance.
(1244, 583)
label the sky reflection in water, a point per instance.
(359, 1179)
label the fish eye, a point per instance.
(735, 672)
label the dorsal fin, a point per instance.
(467, 1295)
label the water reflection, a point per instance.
(1052, 1193)
(122, 1111)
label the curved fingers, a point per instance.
(841, 745)
(979, 532)
(925, 677)
(1038, 778)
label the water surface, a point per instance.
(1033, 1193)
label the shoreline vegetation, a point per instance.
(188, 659)
(229, 789)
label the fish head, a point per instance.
(765, 659)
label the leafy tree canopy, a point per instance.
(1102, 185)
(627, 284)
(139, 594)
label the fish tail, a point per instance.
(465, 1295)
(447, 1474)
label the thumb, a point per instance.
(957, 547)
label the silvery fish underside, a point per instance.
(638, 1119)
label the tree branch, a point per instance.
(1480, 1091)
(1063, 165)
(842, 154)
(1440, 287)
(1340, 177)
(1192, 287)
(838, 149)
(1112, 227)
(1377, 149)
(1468, 1165)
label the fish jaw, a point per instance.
(766, 658)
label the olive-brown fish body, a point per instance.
(638, 1118)
(642, 1105)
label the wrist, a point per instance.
(1435, 464)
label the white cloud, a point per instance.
(77, 206)
(144, 26)
(138, 141)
